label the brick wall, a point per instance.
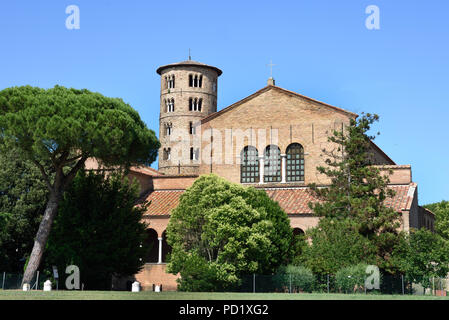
(156, 274)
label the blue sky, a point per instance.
(321, 49)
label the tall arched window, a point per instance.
(170, 103)
(195, 80)
(168, 129)
(272, 164)
(167, 153)
(171, 81)
(249, 165)
(295, 162)
(195, 104)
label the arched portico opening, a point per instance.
(166, 248)
(151, 245)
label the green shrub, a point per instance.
(351, 279)
(300, 278)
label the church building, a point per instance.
(272, 140)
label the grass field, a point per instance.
(148, 295)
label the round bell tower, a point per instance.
(188, 94)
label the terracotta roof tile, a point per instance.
(291, 200)
(163, 202)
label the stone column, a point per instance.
(160, 250)
(261, 169)
(283, 168)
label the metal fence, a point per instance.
(291, 283)
(13, 281)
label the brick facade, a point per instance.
(181, 118)
(271, 115)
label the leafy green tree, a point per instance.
(351, 279)
(441, 211)
(426, 256)
(99, 229)
(336, 244)
(227, 229)
(23, 196)
(358, 189)
(58, 130)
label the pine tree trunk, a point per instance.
(41, 237)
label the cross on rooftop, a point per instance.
(271, 68)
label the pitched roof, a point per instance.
(188, 63)
(265, 89)
(376, 147)
(163, 202)
(146, 171)
(292, 200)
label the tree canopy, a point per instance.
(225, 230)
(358, 190)
(441, 211)
(425, 255)
(23, 195)
(57, 129)
(99, 229)
(336, 244)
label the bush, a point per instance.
(335, 244)
(302, 279)
(351, 279)
(198, 276)
(228, 231)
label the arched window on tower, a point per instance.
(192, 128)
(167, 153)
(295, 163)
(194, 153)
(168, 129)
(272, 164)
(171, 81)
(195, 81)
(195, 104)
(249, 165)
(170, 103)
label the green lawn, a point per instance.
(148, 295)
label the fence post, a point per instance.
(254, 283)
(327, 283)
(402, 278)
(37, 281)
(3, 282)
